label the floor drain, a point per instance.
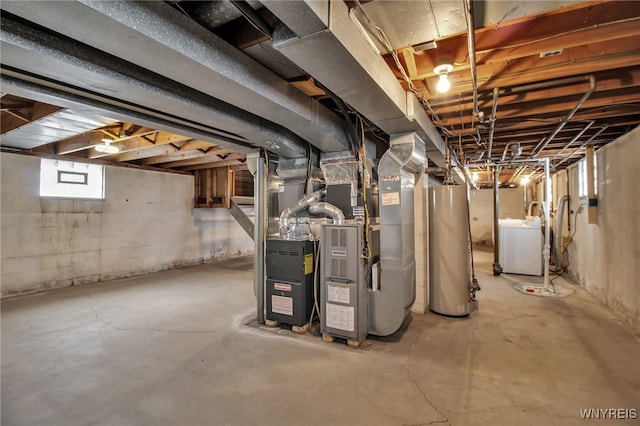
(540, 290)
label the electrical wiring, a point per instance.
(551, 37)
(382, 36)
(352, 132)
(364, 189)
(565, 249)
(316, 271)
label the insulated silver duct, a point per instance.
(71, 66)
(328, 209)
(140, 32)
(303, 203)
(328, 40)
(396, 176)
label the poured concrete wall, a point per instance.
(511, 202)
(604, 256)
(146, 223)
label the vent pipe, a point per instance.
(303, 203)
(471, 45)
(328, 209)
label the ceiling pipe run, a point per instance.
(578, 136)
(545, 141)
(582, 145)
(494, 110)
(471, 45)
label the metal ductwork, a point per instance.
(35, 89)
(303, 203)
(329, 210)
(215, 13)
(396, 173)
(325, 40)
(67, 65)
(142, 32)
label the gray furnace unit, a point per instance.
(343, 289)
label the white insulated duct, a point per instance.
(389, 306)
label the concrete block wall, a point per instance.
(145, 224)
(512, 206)
(604, 256)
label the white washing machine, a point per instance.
(521, 247)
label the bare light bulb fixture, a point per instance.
(524, 181)
(443, 81)
(107, 148)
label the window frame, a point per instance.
(52, 184)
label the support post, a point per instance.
(497, 269)
(546, 252)
(260, 220)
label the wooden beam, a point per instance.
(77, 143)
(205, 158)
(14, 120)
(196, 144)
(525, 72)
(184, 155)
(4, 105)
(410, 61)
(557, 106)
(215, 164)
(18, 114)
(595, 21)
(124, 146)
(606, 33)
(162, 138)
(618, 79)
(137, 154)
(131, 143)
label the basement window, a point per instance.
(71, 179)
(583, 183)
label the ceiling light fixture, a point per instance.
(443, 83)
(524, 181)
(107, 148)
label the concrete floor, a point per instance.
(173, 348)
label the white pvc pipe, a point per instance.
(546, 252)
